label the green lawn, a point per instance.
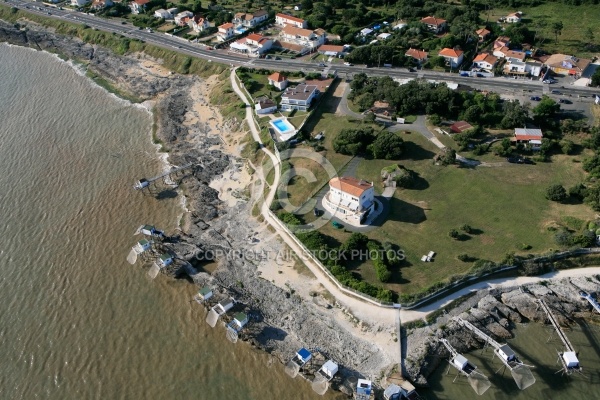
(576, 20)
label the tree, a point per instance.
(453, 234)
(466, 228)
(353, 141)
(557, 28)
(567, 146)
(434, 119)
(387, 145)
(448, 157)
(589, 35)
(596, 78)
(404, 178)
(438, 61)
(546, 109)
(556, 193)
(515, 115)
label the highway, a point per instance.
(223, 56)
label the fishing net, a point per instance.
(153, 271)
(232, 335)
(132, 257)
(212, 318)
(320, 384)
(480, 383)
(292, 369)
(522, 376)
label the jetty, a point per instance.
(236, 325)
(151, 231)
(520, 372)
(300, 359)
(323, 376)
(404, 391)
(479, 382)
(218, 310)
(146, 182)
(567, 358)
(590, 300)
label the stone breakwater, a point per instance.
(282, 321)
(496, 312)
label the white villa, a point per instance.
(225, 31)
(304, 37)
(198, 23)
(283, 20)
(299, 97)
(137, 6)
(248, 20)
(350, 198)
(100, 4)
(164, 14)
(278, 80)
(485, 61)
(183, 17)
(513, 18)
(254, 45)
(453, 57)
(79, 3)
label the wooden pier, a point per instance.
(146, 182)
(567, 358)
(478, 381)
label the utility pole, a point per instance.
(379, 63)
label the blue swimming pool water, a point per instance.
(282, 125)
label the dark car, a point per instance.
(528, 161)
(535, 98)
(412, 70)
(515, 160)
(278, 58)
(555, 91)
(565, 101)
(480, 75)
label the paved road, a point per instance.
(222, 56)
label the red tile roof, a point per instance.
(290, 18)
(277, 77)
(141, 2)
(446, 52)
(350, 185)
(255, 37)
(227, 25)
(482, 32)
(416, 54)
(331, 47)
(460, 126)
(433, 21)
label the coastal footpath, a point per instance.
(289, 309)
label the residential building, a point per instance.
(400, 24)
(79, 3)
(173, 11)
(434, 24)
(419, 55)
(100, 4)
(299, 97)
(383, 36)
(453, 57)
(254, 45)
(501, 41)
(485, 61)
(567, 65)
(513, 18)
(248, 20)
(333, 50)
(278, 80)
(460, 126)
(284, 19)
(265, 106)
(162, 13)
(482, 34)
(505, 52)
(225, 32)
(183, 17)
(198, 23)
(532, 137)
(138, 6)
(303, 37)
(366, 32)
(350, 198)
(517, 67)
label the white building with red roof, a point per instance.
(454, 57)
(532, 137)
(284, 19)
(513, 18)
(434, 24)
(350, 199)
(254, 45)
(225, 31)
(183, 18)
(278, 80)
(303, 37)
(419, 55)
(485, 61)
(198, 23)
(137, 6)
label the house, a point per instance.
(265, 106)
(254, 45)
(453, 57)
(100, 4)
(223, 306)
(299, 97)
(142, 246)
(303, 37)
(482, 34)
(183, 17)
(505, 52)
(239, 321)
(420, 56)
(384, 36)
(138, 6)
(173, 11)
(400, 24)
(434, 24)
(460, 126)
(501, 41)
(225, 31)
(278, 80)
(567, 65)
(366, 32)
(205, 293)
(364, 389)
(513, 18)
(79, 3)
(517, 67)
(198, 23)
(166, 259)
(283, 20)
(532, 137)
(350, 198)
(162, 13)
(485, 61)
(248, 20)
(333, 50)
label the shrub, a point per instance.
(466, 228)
(556, 193)
(453, 234)
(383, 274)
(464, 257)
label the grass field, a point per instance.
(576, 21)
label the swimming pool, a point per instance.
(283, 128)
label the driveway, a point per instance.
(343, 106)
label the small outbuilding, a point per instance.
(460, 126)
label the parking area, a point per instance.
(577, 106)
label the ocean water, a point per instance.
(76, 320)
